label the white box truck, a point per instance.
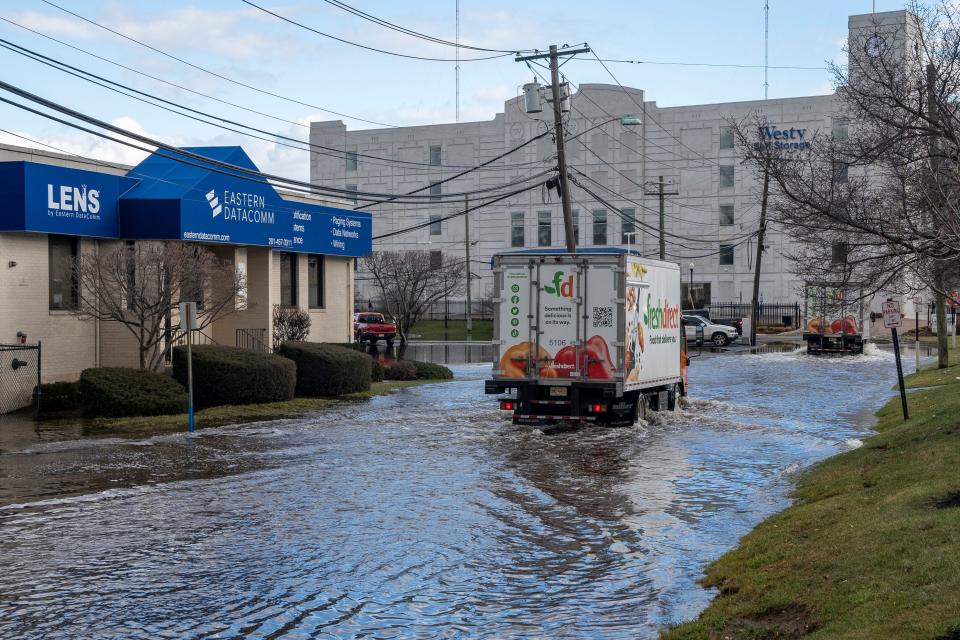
(594, 336)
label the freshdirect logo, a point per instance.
(214, 203)
(661, 316)
(562, 288)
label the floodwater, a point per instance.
(422, 514)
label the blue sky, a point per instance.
(238, 41)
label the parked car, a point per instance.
(736, 323)
(373, 327)
(719, 334)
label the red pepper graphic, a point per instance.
(594, 360)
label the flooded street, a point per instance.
(422, 514)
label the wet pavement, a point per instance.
(422, 514)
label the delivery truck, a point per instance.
(594, 336)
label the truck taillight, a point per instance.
(597, 408)
(507, 405)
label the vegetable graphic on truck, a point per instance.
(590, 337)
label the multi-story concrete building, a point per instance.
(691, 148)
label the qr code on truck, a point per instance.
(602, 317)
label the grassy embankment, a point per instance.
(235, 414)
(457, 330)
(871, 546)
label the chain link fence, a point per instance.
(19, 376)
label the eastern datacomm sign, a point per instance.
(891, 314)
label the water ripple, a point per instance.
(422, 514)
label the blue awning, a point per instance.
(210, 203)
(164, 198)
(51, 199)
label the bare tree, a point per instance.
(408, 282)
(874, 204)
(138, 286)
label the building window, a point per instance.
(315, 281)
(288, 279)
(726, 255)
(351, 160)
(841, 172)
(544, 228)
(352, 195)
(726, 137)
(600, 227)
(436, 226)
(62, 277)
(575, 214)
(516, 229)
(436, 259)
(726, 215)
(839, 251)
(435, 155)
(628, 227)
(841, 129)
(726, 176)
(435, 191)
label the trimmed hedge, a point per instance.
(401, 370)
(326, 369)
(376, 370)
(118, 392)
(60, 396)
(353, 346)
(227, 375)
(431, 371)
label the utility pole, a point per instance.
(558, 132)
(755, 301)
(466, 237)
(943, 359)
(660, 192)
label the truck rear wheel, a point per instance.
(673, 400)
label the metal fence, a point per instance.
(771, 315)
(457, 310)
(19, 376)
(253, 340)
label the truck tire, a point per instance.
(673, 400)
(720, 339)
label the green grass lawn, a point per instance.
(457, 330)
(233, 414)
(864, 552)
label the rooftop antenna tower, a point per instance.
(457, 108)
(766, 47)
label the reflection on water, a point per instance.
(419, 514)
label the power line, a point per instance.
(179, 154)
(320, 149)
(340, 153)
(395, 27)
(705, 64)
(643, 109)
(214, 73)
(454, 215)
(364, 46)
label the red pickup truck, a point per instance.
(372, 327)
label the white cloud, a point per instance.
(232, 34)
(87, 145)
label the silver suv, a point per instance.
(719, 334)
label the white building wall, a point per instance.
(680, 143)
